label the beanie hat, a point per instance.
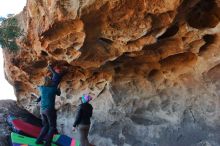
(86, 98)
(57, 69)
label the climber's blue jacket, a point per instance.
(48, 95)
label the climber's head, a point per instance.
(57, 69)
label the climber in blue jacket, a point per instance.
(55, 77)
(48, 94)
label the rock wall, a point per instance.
(153, 67)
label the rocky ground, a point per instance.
(11, 107)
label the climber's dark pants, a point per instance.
(83, 134)
(49, 126)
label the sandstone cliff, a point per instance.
(153, 66)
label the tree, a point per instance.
(9, 32)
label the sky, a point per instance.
(8, 7)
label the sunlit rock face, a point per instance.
(153, 66)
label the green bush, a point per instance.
(9, 32)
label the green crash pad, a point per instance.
(20, 139)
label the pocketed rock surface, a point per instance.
(153, 66)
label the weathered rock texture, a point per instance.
(153, 66)
(10, 107)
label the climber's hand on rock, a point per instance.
(34, 95)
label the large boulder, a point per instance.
(152, 65)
